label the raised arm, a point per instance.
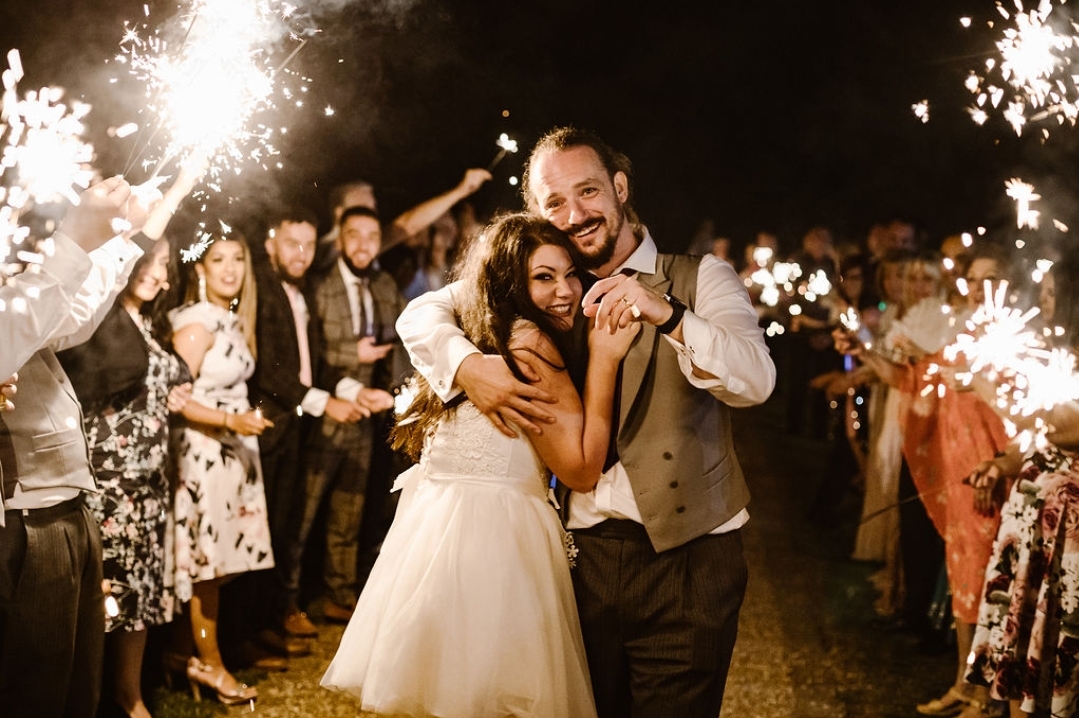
(424, 214)
(574, 446)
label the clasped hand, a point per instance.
(616, 301)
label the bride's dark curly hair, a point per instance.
(491, 294)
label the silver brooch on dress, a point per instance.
(571, 549)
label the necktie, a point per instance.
(301, 318)
(368, 305)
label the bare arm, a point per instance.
(191, 343)
(423, 215)
(574, 447)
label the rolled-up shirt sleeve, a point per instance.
(723, 338)
(37, 301)
(112, 265)
(435, 344)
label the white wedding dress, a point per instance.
(469, 610)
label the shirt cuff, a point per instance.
(348, 389)
(314, 401)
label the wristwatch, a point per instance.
(679, 308)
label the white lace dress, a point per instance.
(469, 610)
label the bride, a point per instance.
(469, 610)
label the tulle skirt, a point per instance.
(469, 610)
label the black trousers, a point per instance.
(659, 628)
(52, 612)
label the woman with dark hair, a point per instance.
(129, 382)
(222, 525)
(469, 610)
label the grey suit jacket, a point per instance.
(339, 339)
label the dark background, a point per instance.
(774, 115)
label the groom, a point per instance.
(660, 572)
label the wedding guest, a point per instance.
(51, 606)
(221, 518)
(128, 383)
(357, 305)
(293, 386)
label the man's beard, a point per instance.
(285, 276)
(605, 253)
(365, 273)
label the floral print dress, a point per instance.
(221, 519)
(1026, 646)
(128, 443)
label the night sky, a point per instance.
(757, 115)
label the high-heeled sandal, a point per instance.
(203, 674)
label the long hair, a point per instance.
(156, 310)
(491, 295)
(246, 304)
(563, 138)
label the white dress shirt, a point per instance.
(722, 337)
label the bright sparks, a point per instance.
(505, 146)
(43, 160)
(1033, 77)
(1023, 194)
(207, 90)
(1029, 377)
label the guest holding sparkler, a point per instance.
(846, 464)
(128, 383)
(895, 526)
(221, 518)
(945, 433)
(1023, 648)
(809, 346)
(51, 606)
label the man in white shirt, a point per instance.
(51, 602)
(664, 517)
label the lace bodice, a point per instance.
(467, 446)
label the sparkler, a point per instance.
(505, 146)
(776, 281)
(1029, 377)
(43, 160)
(1023, 194)
(207, 94)
(1034, 78)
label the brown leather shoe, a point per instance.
(297, 624)
(249, 655)
(283, 645)
(336, 613)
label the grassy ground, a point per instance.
(808, 645)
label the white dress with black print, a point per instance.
(221, 519)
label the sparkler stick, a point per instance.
(506, 146)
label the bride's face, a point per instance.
(553, 284)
